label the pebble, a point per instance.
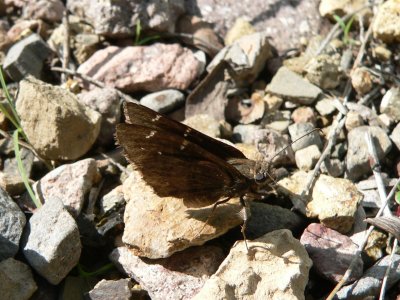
(333, 167)
(240, 28)
(49, 11)
(278, 269)
(66, 131)
(386, 22)
(245, 133)
(307, 157)
(187, 270)
(304, 114)
(357, 158)
(361, 80)
(112, 289)
(12, 223)
(302, 131)
(291, 86)
(16, 280)
(334, 201)
(205, 124)
(164, 101)
(390, 103)
(325, 107)
(51, 242)
(395, 136)
(71, 183)
(143, 68)
(324, 71)
(353, 120)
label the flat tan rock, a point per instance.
(157, 227)
(334, 201)
(276, 268)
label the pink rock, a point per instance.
(143, 68)
(330, 251)
(48, 10)
(304, 115)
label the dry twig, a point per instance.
(66, 48)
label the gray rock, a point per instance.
(26, 57)
(333, 167)
(278, 120)
(205, 124)
(67, 129)
(51, 241)
(108, 103)
(390, 103)
(357, 159)
(266, 218)
(12, 222)
(386, 22)
(11, 167)
(50, 11)
(70, 183)
(164, 101)
(324, 71)
(395, 136)
(331, 252)
(188, 269)
(16, 280)
(307, 157)
(325, 106)
(119, 19)
(339, 150)
(291, 86)
(353, 120)
(300, 130)
(245, 133)
(112, 289)
(112, 200)
(369, 285)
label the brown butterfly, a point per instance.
(179, 161)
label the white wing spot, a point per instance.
(184, 144)
(159, 153)
(158, 117)
(151, 134)
(188, 130)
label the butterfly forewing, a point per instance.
(172, 163)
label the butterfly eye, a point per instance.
(260, 178)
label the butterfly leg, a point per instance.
(219, 202)
(245, 214)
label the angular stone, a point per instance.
(50, 11)
(386, 23)
(16, 280)
(112, 289)
(71, 183)
(278, 269)
(390, 103)
(143, 68)
(188, 269)
(395, 136)
(164, 101)
(12, 222)
(293, 87)
(334, 201)
(205, 124)
(303, 137)
(51, 241)
(324, 71)
(56, 124)
(245, 133)
(306, 158)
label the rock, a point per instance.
(361, 80)
(112, 200)
(143, 68)
(325, 107)
(66, 131)
(245, 133)
(26, 57)
(334, 167)
(205, 124)
(386, 23)
(353, 120)
(331, 252)
(328, 8)
(164, 101)
(265, 218)
(12, 222)
(369, 116)
(16, 280)
(188, 270)
(270, 142)
(369, 285)
(395, 136)
(70, 183)
(302, 131)
(10, 165)
(107, 102)
(304, 114)
(12, 184)
(382, 52)
(247, 56)
(246, 111)
(290, 86)
(387, 120)
(50, 11)
(157, 227)
(324, 71)
(240, 28)
(276, 268)
(333, 201)
(203, 35)
(279, 120)
(374, 249)
(339, 150)
(112, 289)
(307, 157)
(51, 241)
(357, 159)
(390, 103)
(119, 19)
(273, 102)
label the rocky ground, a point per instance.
(309, 90)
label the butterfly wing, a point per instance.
(175, 166)
(140, 115)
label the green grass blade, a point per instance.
(8, 97)
(21, 170)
